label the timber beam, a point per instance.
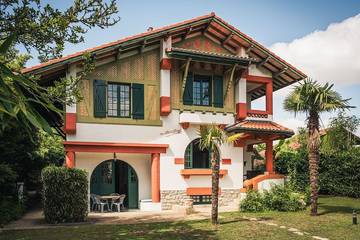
(263, 62)
(227, 39)
(249, 48)
(280, 72)
(186, 71)
(231, 79)
(187, 33)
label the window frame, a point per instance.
(210, 89)
(117, 84)
(189, 163)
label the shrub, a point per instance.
(65, 194)
(282, 198)
(253, 202)
(10, 210)
(278, 198)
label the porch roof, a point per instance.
(261, 126)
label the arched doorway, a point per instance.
(116, 176)
(195, 157)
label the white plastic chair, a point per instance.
(100, 206)
(119, 203)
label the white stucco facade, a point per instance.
(170, 133)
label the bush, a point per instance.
(282, 198)
(279, 198)
(253, 202)
(10, 209)
(65, 194)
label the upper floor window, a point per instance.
(118, 100)
(195, 157)
(203, 90)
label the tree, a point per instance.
(339, 136)
(311, 98)
(211, 137)
(44, 29)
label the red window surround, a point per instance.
(269, 93)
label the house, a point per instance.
(136, 129)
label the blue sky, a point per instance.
(269, 22)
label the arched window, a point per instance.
(197, 158)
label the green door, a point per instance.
(103, 179)
(133, 196)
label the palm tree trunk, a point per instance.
(215, 188)
(313, 145)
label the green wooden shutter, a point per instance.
(189, 156)
(218, 98)
(188, 91)
(138, 101)
(99, 98)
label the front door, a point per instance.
(103, 179)
(133, 196)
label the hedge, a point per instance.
(65, 194)
(10, 209)
(338, 172)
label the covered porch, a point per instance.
(255, 131)
(117, 169)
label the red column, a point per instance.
(269, 157)
(70, 159)
(269, 98)
(155, 177)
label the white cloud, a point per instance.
(331, 55)
(292, 123)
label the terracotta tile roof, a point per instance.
(140, 35)
(259, 126)
(166, 31)
(222, 55)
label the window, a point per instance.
(201, 199)
(202, 90)
(197, 158)
(118, 100)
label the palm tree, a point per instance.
(312, 99)
(211, 137)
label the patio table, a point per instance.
(109, 199)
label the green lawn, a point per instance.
(334, 222)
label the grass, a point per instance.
(333, 222)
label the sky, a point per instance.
(321, 38)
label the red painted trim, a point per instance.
(226, 161)
(155, 177)
(70, 123)
(201, 172)
(165, 64)
(114, 147)
(269, 98)
(165, 106)
(239, 143)
(70, 159)
(269, 156)
(241, 111)
(185, 125)
(199, 191)
(179, 161)
(258, 79)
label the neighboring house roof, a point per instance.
(260, 127)
(210, 25)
